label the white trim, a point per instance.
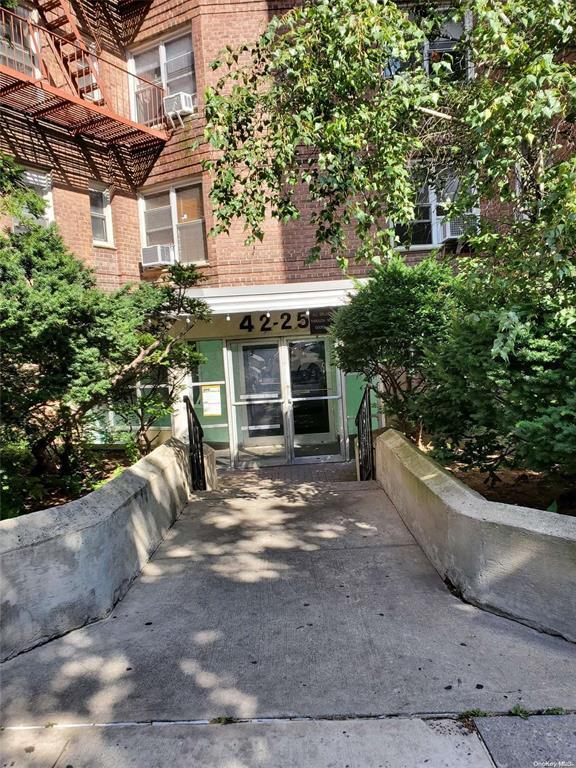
(166, 186)
(173, 34)
(267, 298)
(95, 186)
(172, 189)
(160, 45)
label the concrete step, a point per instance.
(394, 743)
(281, 488)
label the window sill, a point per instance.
(411, 248)
(104, 246)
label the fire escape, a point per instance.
(50, 74)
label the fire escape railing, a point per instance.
(63, 67)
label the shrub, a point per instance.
(390, 326)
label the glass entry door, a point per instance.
(315, 402)
(259, 403)
(287, 402)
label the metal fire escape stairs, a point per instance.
(79, 65)
(51, 75)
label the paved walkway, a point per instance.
(280, 599)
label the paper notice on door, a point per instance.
(211, 400)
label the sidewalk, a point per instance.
(507, 742)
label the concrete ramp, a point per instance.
(283, 598)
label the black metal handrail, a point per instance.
(195, 447)
(365, 441)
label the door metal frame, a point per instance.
(286, 401)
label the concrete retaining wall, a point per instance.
(63, 567)
(515, 561)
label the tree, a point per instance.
(334, 98)
(333, 102)
(70, 350)
(388, 330)
(515, 404)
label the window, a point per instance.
(446, 47)
(422, 230)
(145, 403)
(169, 64)
(176, 217)
(41, 183)
(17, 44)
(431, 227)
(101, 216)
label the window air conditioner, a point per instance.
(157, 255)
(179, 104)
(460, 225)
(454, 228)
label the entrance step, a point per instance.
(303, 480)
(344, 472)
(249, 488)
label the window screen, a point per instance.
(190, 226)
(179, 67)
(158, 219)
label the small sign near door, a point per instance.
(211, 400)
(320, 320)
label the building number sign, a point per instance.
(287, 321)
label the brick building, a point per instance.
(101, 102)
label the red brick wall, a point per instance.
(281, 257)
(115, 265)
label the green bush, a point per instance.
(71, 350)
(16, 484)
(489, 407)
(390, 326)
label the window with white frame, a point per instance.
(101, 216)
(446, 46)
(433, 225)
(41, 183)
(18, 46)
(423, 230)
(175, 217)
(169, 64)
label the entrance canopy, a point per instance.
(267, 298)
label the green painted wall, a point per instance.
(212, 370)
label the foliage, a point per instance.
(519, 711)
(70, 350)
(333, 101)
(16, 199)
(517, 405)
(388, 329)
(333, 105)
(316, 102)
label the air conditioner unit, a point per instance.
(157, 255)
(458, 226)
(454, 228)
(179, 104)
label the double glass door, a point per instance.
(287, 402)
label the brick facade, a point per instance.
(75, 162)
